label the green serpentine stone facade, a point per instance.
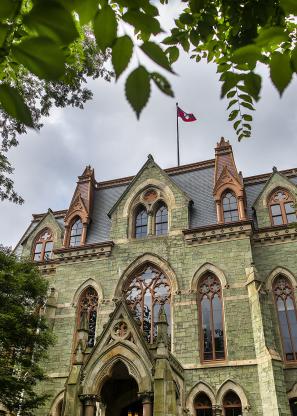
(245, 256)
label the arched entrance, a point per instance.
(120, 393)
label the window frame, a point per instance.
(229, 191)
(292, 297)
(43, 243)
(75, 219)
(200, 323)
(159, 204)
(281, 204)
(231, 406)
(195, 404)
(138, 209)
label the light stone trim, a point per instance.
(237, 363)
(57, 375)
(200, 387)
(236, 297)
(55, 403)
(90, 282)
(68, 315)
(218, 234)
(277, 236)
(230, 385)
(283, 271)
(207, 268)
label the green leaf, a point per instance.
(231, 94)
(42, 56)
(196, 5)
(138, 89)
(247, 126)
(122, 52)
(232, 102)
(233, 115)
(294, 59)
(13, 103)
(270, 36)
(142, 22)
(246, 97)
(170, 40)
(252, 83)
(247, 117)
(7, 8)
(280, 71)
(173, 53)
(186, 19)
(247, 105)
(153, 51)
(105, 27)
(162, 83)
(86, 10)
(247, 54)
(50, 19)
(230, 81)
(290, 6)
(236, 124)
(3, 32)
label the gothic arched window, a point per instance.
(43, 248)
(282, 209)
(232, 404)
(202, 405)
(211, 322)
(148, 289)
(286, 310)
(229, 206)
(88, 301)
(140, 222)
(161, 220)
(76, 233)
(293, 406)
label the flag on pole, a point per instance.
(187, 117)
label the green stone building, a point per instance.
(172, 292)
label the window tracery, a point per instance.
(43, 248)
(202, 405)
(148, 289)
(232, 404)
(161, 220)
(89, 301)
(141, 222)
(286, 310)
(282, 209)
(211, 318)
(76, 233)
(230, 207)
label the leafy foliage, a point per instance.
(39, 37)
(24, 336)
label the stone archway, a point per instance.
(119, 393)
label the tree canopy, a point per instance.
(24, 335)
(39, 37)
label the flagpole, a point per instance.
(177, 135)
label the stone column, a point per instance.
(84, 233)
(241, 208)
(147, 403)
(66, 235)
(220, 218)
(217, 410)
(89, 401)
(150, 223)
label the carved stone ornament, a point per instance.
(89, 399)
(150, 196)
(120, 330)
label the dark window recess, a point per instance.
(286, 310)
(141, 223)
(230, 209)
(293, 406)
(145, 293)
(76, 232)
(161, 220)
(232, 404)
(89, 300)
(202, 405)
(212, 331)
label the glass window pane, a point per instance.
(284, 329)
(291, 218)
(277, 220)
(275, 209)
(37, 253)
(292, 321)
(206, 328)
(289, 208)
(48, 250)
(218, 327)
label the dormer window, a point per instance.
(141, 222)
(282, 209)
(43, 248)
(230, 207)
(161, 220)
(76, 233)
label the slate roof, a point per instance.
(195, 180)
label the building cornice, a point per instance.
(250, 180)
(218, 232)
(281, 233)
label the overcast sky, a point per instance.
(107, 135)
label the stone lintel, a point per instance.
(219, 232)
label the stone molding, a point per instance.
(271, 235)
(218, 232)
(85, 252)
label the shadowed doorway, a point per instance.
(119, 393)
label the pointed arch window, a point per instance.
(202, 405)
(286, 310)
(161, 220)
(230, 207)
(76, 233)
(43, 248)
(88, 301)
(293, 406)
(232, 404)
(148, 289)
(282, 209)
(211, 322)
(141, 222)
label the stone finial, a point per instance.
(274, 169)
(150, 157)
(88, 171)
(162, 326)
(223, 142)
